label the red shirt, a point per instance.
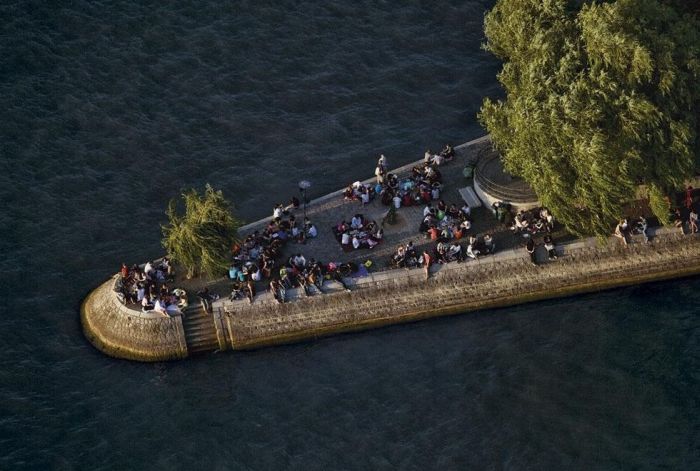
(434, 233)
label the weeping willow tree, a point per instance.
(201, 239)
(600, 98)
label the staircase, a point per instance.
(200, 333)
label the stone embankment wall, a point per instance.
(127, 333)
(502, 280)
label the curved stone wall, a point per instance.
(127, 333)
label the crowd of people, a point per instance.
(148, 287)
(257, 261)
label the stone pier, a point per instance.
(386, 296)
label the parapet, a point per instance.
(128, 333)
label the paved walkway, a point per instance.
(328, 211)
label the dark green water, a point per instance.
(110, 108)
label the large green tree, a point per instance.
(202, 238)
(600, 98)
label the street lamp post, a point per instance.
(303, 186)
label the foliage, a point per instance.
(601, 97)
(202, 238)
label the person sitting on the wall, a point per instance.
(550, 248)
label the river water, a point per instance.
(110, 108)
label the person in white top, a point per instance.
(382, 162)
(160, 307)
(277, 211)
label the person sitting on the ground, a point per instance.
(345, 239)
(393, 181)
(285, 277)
(399, 257)
(453, 212)
(678, 219)
(454, 252)
(315, 274)
(472, 251)
(457, 231)
(357, 221)
(489, 244)
(160, 307)
(640, 227)
(333, 272)
(621, 230)
(236, 291)
(547, 217)
(433, 233)
(233, 271)
(448, 153)
(441, 251)
(365, 196)
(549, 247)
(278, 291)
(520, 222)
(310, 228)
(435, 191)
(297, 261)
(277, 211)
(466, 211)
(437, 159)
(355, 242)
(146, 304)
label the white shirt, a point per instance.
(345, 239)
(277, 213)
(313, 232)
(356, 242)
(397, 202)
(158, 306)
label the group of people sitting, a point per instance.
(306, 274)
(148, 287)
(532, 222)
(285, 226)
(358, 233)
(444, 251)
(446, 222)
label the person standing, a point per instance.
(380, 171)
(531, 247)
(427, 262)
